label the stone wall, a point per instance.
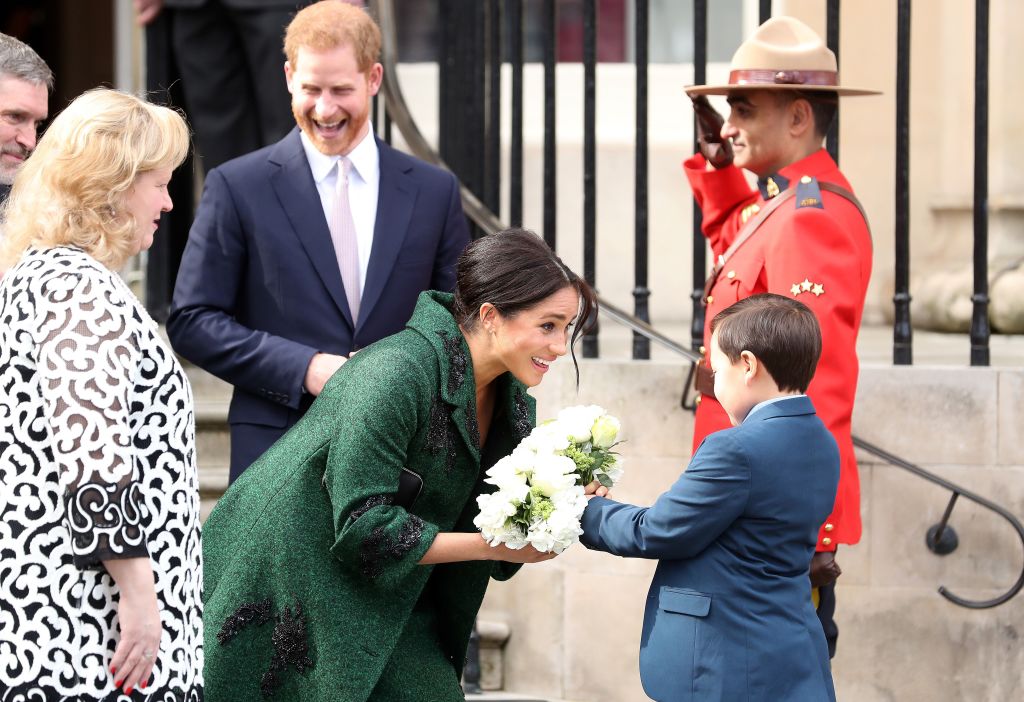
(575, 621)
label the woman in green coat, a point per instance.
(344, 564)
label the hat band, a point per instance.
(788, 78)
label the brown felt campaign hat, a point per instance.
(783, 54)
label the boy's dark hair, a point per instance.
(781, 332)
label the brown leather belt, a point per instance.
(704, 381)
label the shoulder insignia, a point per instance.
(749, 211)
(806, 286)
(808, 193)
(770, 186)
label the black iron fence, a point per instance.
(477, 37)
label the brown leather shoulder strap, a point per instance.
(748, 230)
(846, 195)
(755, 222)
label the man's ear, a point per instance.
(801, 118)
(374, 77)
(288, 75)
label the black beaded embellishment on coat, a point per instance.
(249, 613)
(441, 432)
(379, 545)
(456, 361)
(371, 502)
(521, 423)
(291, 648)
(473, 425)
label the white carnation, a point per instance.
(577, 422)
(546, 438)
(552, 474)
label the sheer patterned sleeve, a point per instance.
(88, 352)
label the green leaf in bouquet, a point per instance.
(605, 480)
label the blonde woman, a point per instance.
(100, 573)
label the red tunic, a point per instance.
(822, 257)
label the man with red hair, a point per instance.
(307, 250)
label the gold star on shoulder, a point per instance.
(816, 289)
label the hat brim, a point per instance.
(693, 90)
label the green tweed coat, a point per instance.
(310, 569)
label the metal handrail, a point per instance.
(938, 539)
(941, 538)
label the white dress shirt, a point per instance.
(363, 189)
(772, 401)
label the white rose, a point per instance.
(605, 431)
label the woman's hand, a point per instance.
(526, 554)
(139, 621)
(451, 547)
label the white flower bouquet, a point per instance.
(540, 499)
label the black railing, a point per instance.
(699, 247)
(979, 318)
(590, 347)
(902, 339)
(940, 538)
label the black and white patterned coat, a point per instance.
(97, 462)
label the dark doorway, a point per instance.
(75, 38)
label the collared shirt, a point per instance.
(773, 400)
(363, 189)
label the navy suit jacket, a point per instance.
(259, 291)
(729, 613)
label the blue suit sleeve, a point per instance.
(695, 511)
(202, 325)
(455, 239)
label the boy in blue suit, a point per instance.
(729, 613)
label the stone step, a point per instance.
(213, 481)
(213, 436)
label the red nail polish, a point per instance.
(113, 670)
(128, 691)
(117, 683)
(143, 685)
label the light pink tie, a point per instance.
(343, 234)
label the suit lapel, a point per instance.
(293, 183)
(395, 199)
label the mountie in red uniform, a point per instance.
(815, 247)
